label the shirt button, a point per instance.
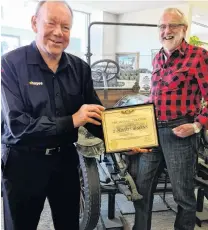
(57, 94)
(58, 113)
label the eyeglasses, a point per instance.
(171, 26)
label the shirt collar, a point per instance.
(182, 48)
(34, 57)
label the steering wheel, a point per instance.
(104, 70)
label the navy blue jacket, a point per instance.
(37, 104)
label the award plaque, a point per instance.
(127, 127)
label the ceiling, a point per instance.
(199, 12)
(119, 7)
(200, 9)
(200, 15)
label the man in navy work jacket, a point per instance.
(46, 95)
(179, 81)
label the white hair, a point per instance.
(178, 12)
(40, 4)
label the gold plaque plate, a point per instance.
(127, 127)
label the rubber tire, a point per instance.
(92, 193)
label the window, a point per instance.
(78, 43)
(16, 29)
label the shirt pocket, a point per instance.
(38, 101)
(156, 72)
(74, 102)
(176, 80)
(155, 76)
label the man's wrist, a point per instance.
(75, 124)
(197, 127)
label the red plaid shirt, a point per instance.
(179, 83)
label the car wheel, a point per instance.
(90, 193)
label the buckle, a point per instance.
(49, 151)
(162, 124)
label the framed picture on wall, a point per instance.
(9, 42)
(154, 52)
(128, 61)
(145, 82)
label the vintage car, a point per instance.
(119, 173)
(93, 176)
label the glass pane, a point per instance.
(122, 63)
(18, 32)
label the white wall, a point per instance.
(200, 32)
(96, 31)
(141, 39)
(96, 36)
(102, 37)
(109, 36)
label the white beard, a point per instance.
(172, 44)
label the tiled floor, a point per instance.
(160, 220)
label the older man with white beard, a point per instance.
(179, 81)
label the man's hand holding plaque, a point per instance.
(135, 151)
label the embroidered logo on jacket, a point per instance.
(35, 83)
